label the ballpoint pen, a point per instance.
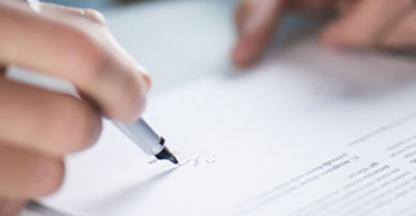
(147, 139)
(139, 132)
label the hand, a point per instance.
(357, 24)
(38, 127)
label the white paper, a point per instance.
(308, 132)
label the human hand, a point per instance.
(357, 24)
(38, 127)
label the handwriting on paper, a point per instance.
(195, 160)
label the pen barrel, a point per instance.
(143, 136)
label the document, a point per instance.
(309, 131)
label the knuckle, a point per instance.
(75, 126)
(95, 16)
(46, 177)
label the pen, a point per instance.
(139, 132)
(147, 139)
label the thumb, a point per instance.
(364, 25)
(256, 21)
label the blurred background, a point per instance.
(179, 41)
(98, 4)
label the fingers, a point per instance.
(58, 10)
(243, 13)
(28, 175)
(366, 22)
(256, 22)
(76, 50)
(9, 207)
(44, 121)
(402, 36)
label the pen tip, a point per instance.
(165, 154)
(173, 159)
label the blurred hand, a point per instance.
(38, 127)
(358, 24)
